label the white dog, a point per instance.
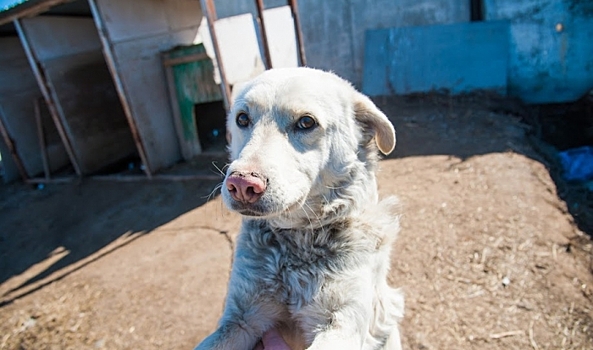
(313, 254)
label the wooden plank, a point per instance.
(110, 60)
(48, 94)
(126, 178)
(457, 58)
(12, 149)
(41, 137)
(186, 59)
(55, 180)
(18, 88)
(164, 177)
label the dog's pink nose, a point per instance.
(245, 187)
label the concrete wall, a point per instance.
(334, 30)
(138, 31)
(551, 47)
(18, 93)
(68, 50)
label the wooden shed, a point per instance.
(97, 66)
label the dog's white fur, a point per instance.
(313, 254)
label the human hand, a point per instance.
(272, 340)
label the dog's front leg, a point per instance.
(244, 321)
(340, 334)
(337, 339)
(228, 336)
(344, 315)
(249, 311)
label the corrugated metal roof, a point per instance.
(8, 4)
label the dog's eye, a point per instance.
(242, 120)
(306, 122)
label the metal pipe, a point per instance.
(208, 6)
(109, 58)
(294, 7)
(48, 95)
(262, 31)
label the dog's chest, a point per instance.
(293, 266)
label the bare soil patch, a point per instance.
(490, 255)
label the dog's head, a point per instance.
(303, 145)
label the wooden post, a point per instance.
(41, 137)
(48, 95)
(109, 58)
(12, 149)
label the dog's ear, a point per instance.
(370, 116)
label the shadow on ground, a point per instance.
(72, 225)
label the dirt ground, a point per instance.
(489, 255)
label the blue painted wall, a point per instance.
(548, 43)
(457, 57)
(551, 47)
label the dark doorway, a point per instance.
(476, 10)
(211, 123)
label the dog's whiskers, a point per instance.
(216, 188)
(305, 211)
(221, 171)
